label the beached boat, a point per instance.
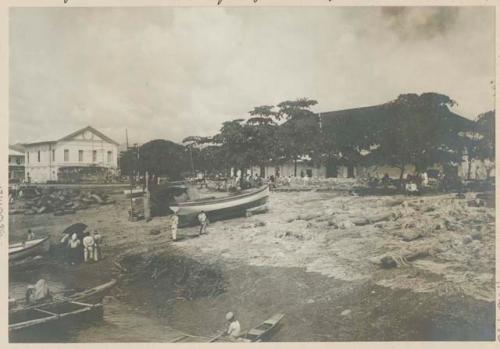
(259, 333)
(91, 295)
(226, 204)
(28, 248)
(25, 322)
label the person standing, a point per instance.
(97, 245)
(174, 223)
(88, 247)
(203, 219)
(74, 249)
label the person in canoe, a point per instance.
(30, 236)
(234, 329)
(38, 293)
(203, 219)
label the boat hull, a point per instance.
(31, 248)
(224, 205)
(92, 295)
(35, 323)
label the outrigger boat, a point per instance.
(42, 317)
(215, 207)
(28, 248)
(92, 295)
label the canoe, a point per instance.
(50, 317)
(28, 248)
(238, 202)
(257, 334)
(94, 294)
(30, 262)
(91, 295)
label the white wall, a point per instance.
(47, 168)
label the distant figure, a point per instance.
(38, 292)
(74, 249)
(385, 180)
(30, 236)
(234, 328)
(174, 223)
(203, 219)
(97, 245)
(88, 247)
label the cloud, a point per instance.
(411, 23)
(174, 72)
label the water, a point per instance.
(120, 322)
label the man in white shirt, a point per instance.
(234, 328)
(174, 222)
(88, 247)
(203, 219)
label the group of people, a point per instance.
(89, 247)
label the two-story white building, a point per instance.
(16, 163)
(81, 154)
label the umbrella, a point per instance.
(77, 228)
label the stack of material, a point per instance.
(61, 201)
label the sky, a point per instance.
(169, 73)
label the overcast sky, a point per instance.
(174, 72)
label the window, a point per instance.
(10, 159)
(109, 156)
(94, 155)
(80, 155)
(66, 155)
(39, 156)
(53, 155)
(27, 153)
(18, 161)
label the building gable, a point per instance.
(88, 133)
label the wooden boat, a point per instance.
(28, 248)
(218, 206)
(257, 334)
(25, 263)
(92, 295)
(43, 317)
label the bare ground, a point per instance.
(305, 258)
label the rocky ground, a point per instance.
(340, 267)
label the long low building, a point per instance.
(86, 152)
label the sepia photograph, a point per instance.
(198, 174)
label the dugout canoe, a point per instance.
(259, 333)
(226, 204)
(29, 248)
(46, 318)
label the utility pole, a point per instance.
(126, 137)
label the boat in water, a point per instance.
(29, 248)
(91, 295)
(42, 319)
(225, 206)
(258, 333)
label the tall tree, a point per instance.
(419, 131)
(298, 135)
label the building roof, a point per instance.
(71, 135)
(15, 150)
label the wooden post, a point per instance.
(147, 208)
